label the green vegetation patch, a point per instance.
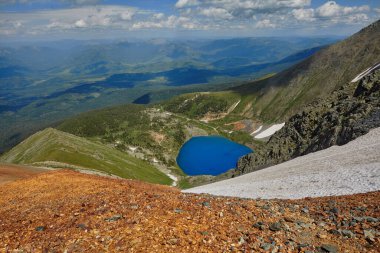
(50, 146)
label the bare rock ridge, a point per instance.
(346, 114)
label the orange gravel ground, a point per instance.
(65, 211)
(10, 172)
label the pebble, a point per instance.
(371, 219)
(288, 219)
(358, 219)
(368, 234)
(40, 228)
(348, 233)
(303, 245)
(276, 226)
(322, 236)
(335, 232)
(114, 218)
(259, 225)
(173, 241)
(206, 204)
(81, 226)
(266, 246)
(329, 248)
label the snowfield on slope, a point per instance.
(338, 170)
(270, 131)
(366, 72)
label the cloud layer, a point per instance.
(203, 15)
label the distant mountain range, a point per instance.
(41, 83)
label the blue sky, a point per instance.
(86, 19)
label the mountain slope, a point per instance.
(341, 117)
(338, 170)
(284, 94)
(53, 148)
(68, 211)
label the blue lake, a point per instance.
(210, 155)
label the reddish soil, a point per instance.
(10, 172)
(65, 211)
(238, 125)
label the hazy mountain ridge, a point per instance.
(84, 76)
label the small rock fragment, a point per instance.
(206, 204)
(266, 246)
(348, 233)
(40, 228)
(260, 225)
(329, 248)
(114, 218)
(276, 226)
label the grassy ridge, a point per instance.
(281, 96)
(50, 146)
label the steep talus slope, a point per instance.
(65, 211)
(53, 148)
(286, 93)
(343, 116)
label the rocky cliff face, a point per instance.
(343, 116)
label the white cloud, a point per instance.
(80, 2)
(265, 23)
(186, 3)
(303, 14)
(223, 15)
(159, 16)
(171, 22)
(240, 5)
(72, 18)
(218, 13)
(332, 9)
(357, 18)
(80, 23)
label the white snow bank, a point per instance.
(174, 178)
(338, 170)
(270, 131)
(233, 106)
(365, 72)
(257, 130)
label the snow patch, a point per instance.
(257, 130)
(174, 178)
(338, 170)
(270, 131)
(133, 149)
(233, 107)
(365, 72)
